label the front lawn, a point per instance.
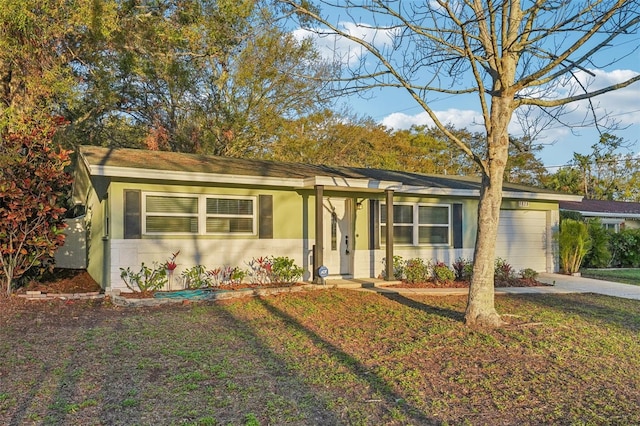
(620, 275)
(326, 357)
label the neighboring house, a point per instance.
(141, 206)
(614, 215)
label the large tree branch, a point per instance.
(570, 99)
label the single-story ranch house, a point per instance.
(142, 206)
(614, 215)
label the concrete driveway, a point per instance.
(561, 284)
(571, 284)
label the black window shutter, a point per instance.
(457, 225)
(265, 219)
(374, 224)
(132, 214)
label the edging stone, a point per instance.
(119, 300)
(38, 295)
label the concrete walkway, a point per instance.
(571, 284)
(561, 284)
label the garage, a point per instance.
(522, 239)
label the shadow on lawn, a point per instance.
(377, 383)
(622, 313)
(432, 310)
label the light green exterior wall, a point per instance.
(293, 209)
(293, 226)
(288, 206)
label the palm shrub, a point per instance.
(574, 243)
(599, 256)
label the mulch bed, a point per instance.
(64, 281)
(79, 281)
(514, 282)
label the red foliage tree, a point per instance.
(33, 184)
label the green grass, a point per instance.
(324, 357)
(622, 275)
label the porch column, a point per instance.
(318, 258)
(389, 244)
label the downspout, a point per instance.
(318, 252)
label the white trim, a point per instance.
(611, 215)
(543, 196)
(194, 176)
(415, 225)
(352, 183)
(361, 184)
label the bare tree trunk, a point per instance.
(8, 278)
(481, 310)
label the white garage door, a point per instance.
(522, 239)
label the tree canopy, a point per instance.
(209, 76)
(604, 174)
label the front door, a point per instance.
(338, 240)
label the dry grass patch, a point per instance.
(322, 358)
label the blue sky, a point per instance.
(394, 108)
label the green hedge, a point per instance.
(625, 249)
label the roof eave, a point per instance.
(606, 214)
(180, 176)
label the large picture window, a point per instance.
(418, 224)
(198, 214)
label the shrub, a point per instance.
(196, 277)
(33, 188)
(625, 248)
(503, 270)
(221, 275)
(463, 269)
(529, 274)
(284, 270)
(146, 279)
(599, 256)
(442, 273)
(574, 243)
(272, 269)
(237, 275)
(416, 271)
(398, 267)
(260, 270)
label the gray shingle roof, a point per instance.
(601, 206)
(192, 163)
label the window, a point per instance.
(229, 215)
(613, 225)
(418, 224)
(197, 214)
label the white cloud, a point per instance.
(621, 105)
(337, 48)
(469, 119)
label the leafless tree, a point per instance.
(511, 56)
